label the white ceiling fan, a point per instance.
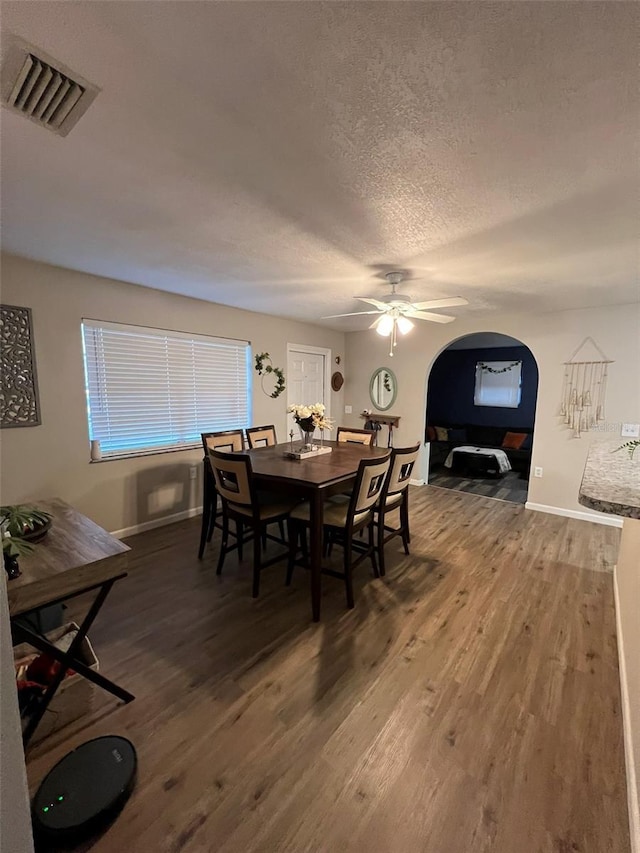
(395, 309)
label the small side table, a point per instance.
(77, 556)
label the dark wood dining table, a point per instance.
(315, 479)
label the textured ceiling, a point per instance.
(282, 156)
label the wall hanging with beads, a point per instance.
(584, 389)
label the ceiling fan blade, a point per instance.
(353, 314)
(381, 305)
(427, 315)
(441, 303)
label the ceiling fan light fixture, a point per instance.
(385, 325)
(404, 325)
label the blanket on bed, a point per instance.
(500, 456)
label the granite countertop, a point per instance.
(611, 481)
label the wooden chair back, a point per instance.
(369, 483)
(261, 436)
(355, 436)
(403, 460)
(232, 473)
(228, 440)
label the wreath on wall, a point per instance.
(488, 369)
(264, 366)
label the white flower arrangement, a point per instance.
(310, 418)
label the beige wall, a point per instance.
(53, 459)
(552, 338)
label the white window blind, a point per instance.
(150, 389)
(498, 383)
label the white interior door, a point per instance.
(306, 379)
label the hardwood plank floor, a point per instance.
(509, 487)
(469, 703)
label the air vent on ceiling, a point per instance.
(42, 89)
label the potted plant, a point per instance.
(20, 525)
(630, 447)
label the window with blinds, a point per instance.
(498, 384)
(150, 390)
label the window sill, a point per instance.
(135, 454)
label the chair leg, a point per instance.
(224, 542)
(372, 549)
(213, 503)
(257, 555)
(404, 523)
(304, 544)
(380, 545)
(292, 535)
(348, 574)
(327, 542)
(281, 527)
(204, 529)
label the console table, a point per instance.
(75, 557)
(390, 421)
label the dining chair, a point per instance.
(234, 483)
(230, 440)
(395, 495)
(342, 521)
(261, 436)
(355, 436)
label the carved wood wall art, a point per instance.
(19, 403)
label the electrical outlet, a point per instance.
(348, 410)
(630, 431)
(193, 472)
(537, 472)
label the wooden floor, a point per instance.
(469, 703)
(508, 487)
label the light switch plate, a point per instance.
(348, 410)
(630, 431)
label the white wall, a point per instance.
(552, 338)
(53, 459)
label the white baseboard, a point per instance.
(157, 522)
(416, 482)
(632, 790)
(595, 517)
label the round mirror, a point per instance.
(383, 388)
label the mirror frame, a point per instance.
(394, 392)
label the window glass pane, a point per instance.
(151, 389)
(498, 383)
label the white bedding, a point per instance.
(501, 457)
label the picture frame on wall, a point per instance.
(19, 399)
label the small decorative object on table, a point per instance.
(20, 525)
(309, 418)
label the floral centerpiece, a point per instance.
(309, 419)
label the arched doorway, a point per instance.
(482, 392)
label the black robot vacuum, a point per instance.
(85, 791)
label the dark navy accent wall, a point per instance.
(452, 385)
